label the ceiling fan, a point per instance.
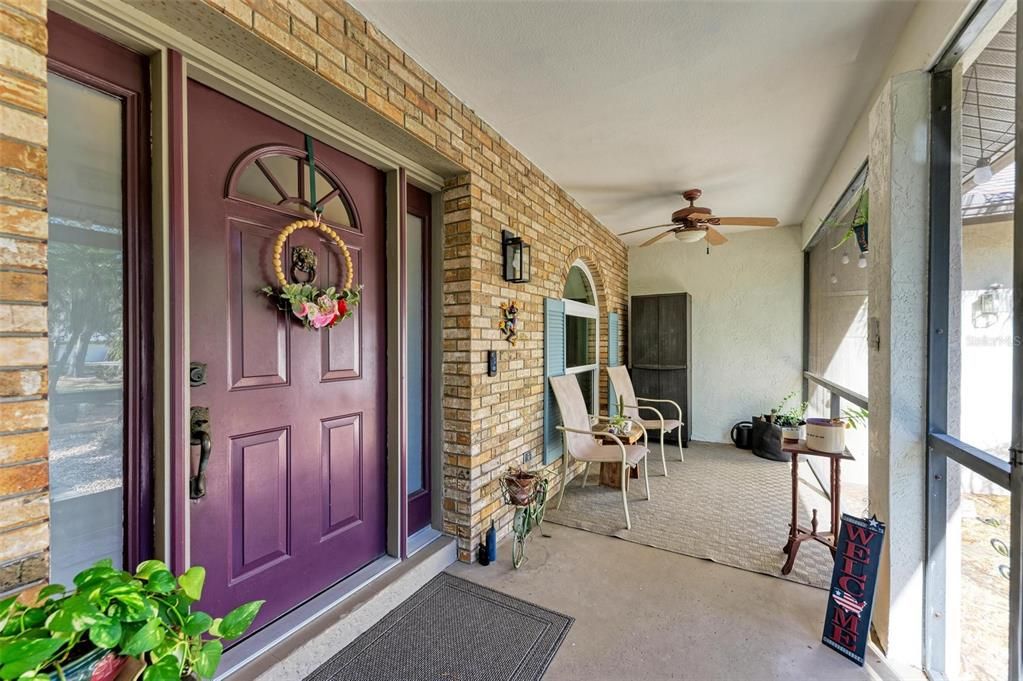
(693, 223)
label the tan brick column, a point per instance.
(24, 503)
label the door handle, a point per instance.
(200, 427)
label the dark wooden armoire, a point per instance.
(661, 353)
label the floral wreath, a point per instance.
(317, 308)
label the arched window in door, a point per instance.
(278, 176)
(582, 332)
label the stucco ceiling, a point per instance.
(625, 104)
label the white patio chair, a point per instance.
(622, 382)
(581, 442)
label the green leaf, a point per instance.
(74, 614)
(161, 582)
(105, 634)
(215, 626)
(145, 639)
(197, 623)
(191, 582)
(170, 646)
(6, 604)
(209, 659)
(167, 668)
(146, 569)
(47, 591)
(27, 655)
(238, 620)
(103, 569)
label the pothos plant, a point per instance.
(147, 615)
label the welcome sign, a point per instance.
(851, 600)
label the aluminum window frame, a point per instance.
(574, 308)
(941, 445)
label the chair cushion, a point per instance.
(655, 424)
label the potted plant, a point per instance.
(519, 484)
(859, 225)
(828, 435)
(619, 424)
(791, 421)
(89, 633)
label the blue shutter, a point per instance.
(612, 360)
(553, 365)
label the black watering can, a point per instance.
(742, 435)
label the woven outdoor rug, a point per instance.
(721, 504)
(453, 630)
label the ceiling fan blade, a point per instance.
(643, 229)
(655, 239)
(715, 238)
(750, 222)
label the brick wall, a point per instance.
(24, 504)
(489, 423)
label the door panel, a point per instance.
(644, 346)
(341, 345)
(672, 331)
(341, 448)
(259, 486)
(258, 341)
(296, 479)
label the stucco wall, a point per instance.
(747, 320)
(925, 36)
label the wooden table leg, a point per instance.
(611, 475)
(836, 501)
(794, 523)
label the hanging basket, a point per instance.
(317, 308)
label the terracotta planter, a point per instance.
(520, 488)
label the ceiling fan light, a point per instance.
(690, 236)
(982, 172)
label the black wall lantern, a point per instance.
(516, 258)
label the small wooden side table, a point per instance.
(797, 533)
(611, 471)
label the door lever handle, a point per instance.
(201, 437)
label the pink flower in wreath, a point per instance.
(305, 309)
(326, 315)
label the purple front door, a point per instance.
(295, 492)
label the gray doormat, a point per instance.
(453, 630)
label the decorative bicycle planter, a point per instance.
(527, 492)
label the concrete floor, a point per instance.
(643, 613)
